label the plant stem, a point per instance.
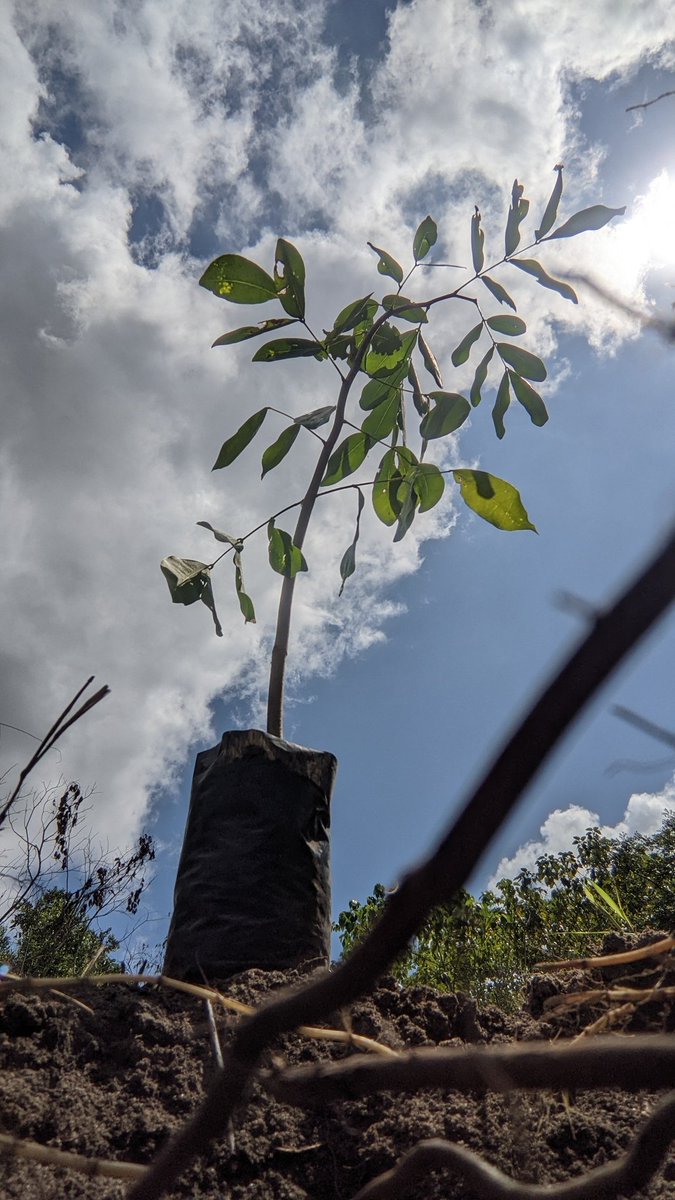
(275, 698)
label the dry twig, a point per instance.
(49, 1156)
(646, 1061)
(648, 103)
(610, 960)
(597, 995)
(57, 730)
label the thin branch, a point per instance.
(216, 1048)
(18, 729)
(665, 328)
(614, 633)
(655, 731)
(634, 996)
(610, 960)
(13, 1147)
(57, 730)
(622, 1177)
(648, 103)
(647, 1061)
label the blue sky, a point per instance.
(142, 140)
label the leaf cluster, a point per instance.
(380, 350)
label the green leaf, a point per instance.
(449, 412)
(406, 310)
(347, 458)
(530, 400)
(407, 499)
(251, 331)
(425, 237)
(511, 326)
(222, 537)
(429, 484)
(239, 280)
(480, 377)
(245, 602)
(290, 281)
(477, 241)
(387, 265)
(386, 339)
(375, 392)
(517, 213)
(316, 418)
(285, 557)
(498, 291)
(429, 359)
(522, 361)
(356, 312)
(551, 210)
(381, 420)
(207, 598)
(279, 449)
(532, 267)
(599, 897)
(246, 605)
(406, 459)
(461, 353)
(594, 217)
(280, 348)
(188, 582)
(420, 401)
(378, 361)
(501, 405)
(338, 345)
(233, 447)
(186, 578)
(493, 499)
(348, 562)
(385, 487)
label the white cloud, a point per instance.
(113, 406)
(643, 814)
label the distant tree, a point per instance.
(57, 888)
(487, 946)
(53, 936)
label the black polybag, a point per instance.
(253, 882)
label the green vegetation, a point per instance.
(487, 947)
(54, 937)
(374, 351)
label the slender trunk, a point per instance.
(275, 700)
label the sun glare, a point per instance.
(649, 234)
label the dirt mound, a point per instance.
(114, 1078)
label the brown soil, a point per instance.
(115, 1082)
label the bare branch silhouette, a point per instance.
(648, 103)
(647, 1061)
(655, 731)
(57, 730)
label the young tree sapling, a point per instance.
(381, 346)
(256, 845)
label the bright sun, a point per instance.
(649, 234)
